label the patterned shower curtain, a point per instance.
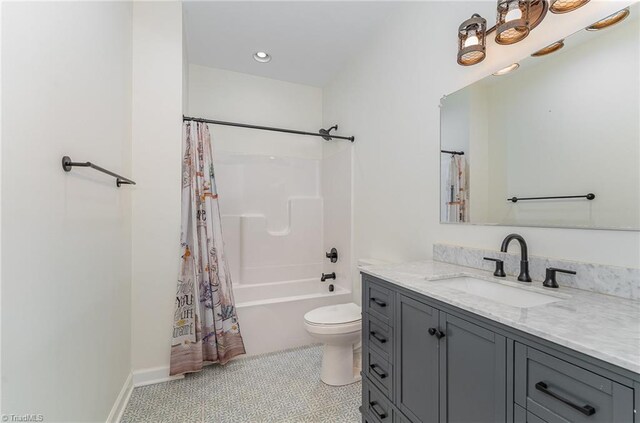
(458, 186)
(205, 327)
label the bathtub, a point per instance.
(271, 315)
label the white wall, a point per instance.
(237, 97)
(66, 90)
(388, 98)
(157, 140)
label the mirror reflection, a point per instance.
(553, 141)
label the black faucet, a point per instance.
(326, 276)
(524, 255)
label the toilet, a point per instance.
(339, 328)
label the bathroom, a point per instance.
(89, 270)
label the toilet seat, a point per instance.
(334, 314)
(334, 319)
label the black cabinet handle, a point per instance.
(378, 302)
(375, 407)
(438, 334)
(378, 337)
(587, 410)
(377, 370)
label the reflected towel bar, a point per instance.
(455, 153)
(589, 196)
(67, 164)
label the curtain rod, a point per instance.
(458, 153)
(322, 133)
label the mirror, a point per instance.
(564, 124)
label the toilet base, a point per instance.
(338, 367)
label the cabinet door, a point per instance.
(473, 373)
(416, 360)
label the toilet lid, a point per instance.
(334, 314)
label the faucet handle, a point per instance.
(550, 278)
(499, 267)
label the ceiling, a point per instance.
(309, 41)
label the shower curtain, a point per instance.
(458, 187)
(205, 327)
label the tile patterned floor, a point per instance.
(277, 387)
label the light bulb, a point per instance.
(512, 14)
(471, 41)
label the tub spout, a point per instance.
(326, 276)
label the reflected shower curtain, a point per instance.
(205, 327)
(458, 186)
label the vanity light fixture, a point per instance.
(565, 6)
(508, 69)
(262, 57)
(551, 48)
(472, 40)
(512, 22)
(613, 19)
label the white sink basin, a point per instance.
(502, 293)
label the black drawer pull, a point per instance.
(587, 410)
(378, 302)
(436, 332)
(375, 407)
(378, 337)
(378, 370)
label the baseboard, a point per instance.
(121, 401)
(153, 375)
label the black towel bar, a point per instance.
(67, 164)
(589, 196)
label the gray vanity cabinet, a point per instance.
(456, 372)
(416, 365)
(427, 362)
(473, 363)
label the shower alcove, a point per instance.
(284, 199)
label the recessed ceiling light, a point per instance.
(261, 57)
(507, 69)
(551, 48)
(564, 6)
(609, 20)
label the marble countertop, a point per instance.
(601, 326)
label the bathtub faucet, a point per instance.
(326, 276)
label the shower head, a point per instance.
(326, 133)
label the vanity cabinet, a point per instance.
(424, 361)
(474, 365)
(417, 363)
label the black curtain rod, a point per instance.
(326, 135)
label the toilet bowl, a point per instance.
(339, 328)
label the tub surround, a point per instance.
(599, 278)
(602, 326)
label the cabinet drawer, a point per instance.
(380, 372)
(557, 391)
(378, 337)
(378, 301)
(375, 405)
(520, 415)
